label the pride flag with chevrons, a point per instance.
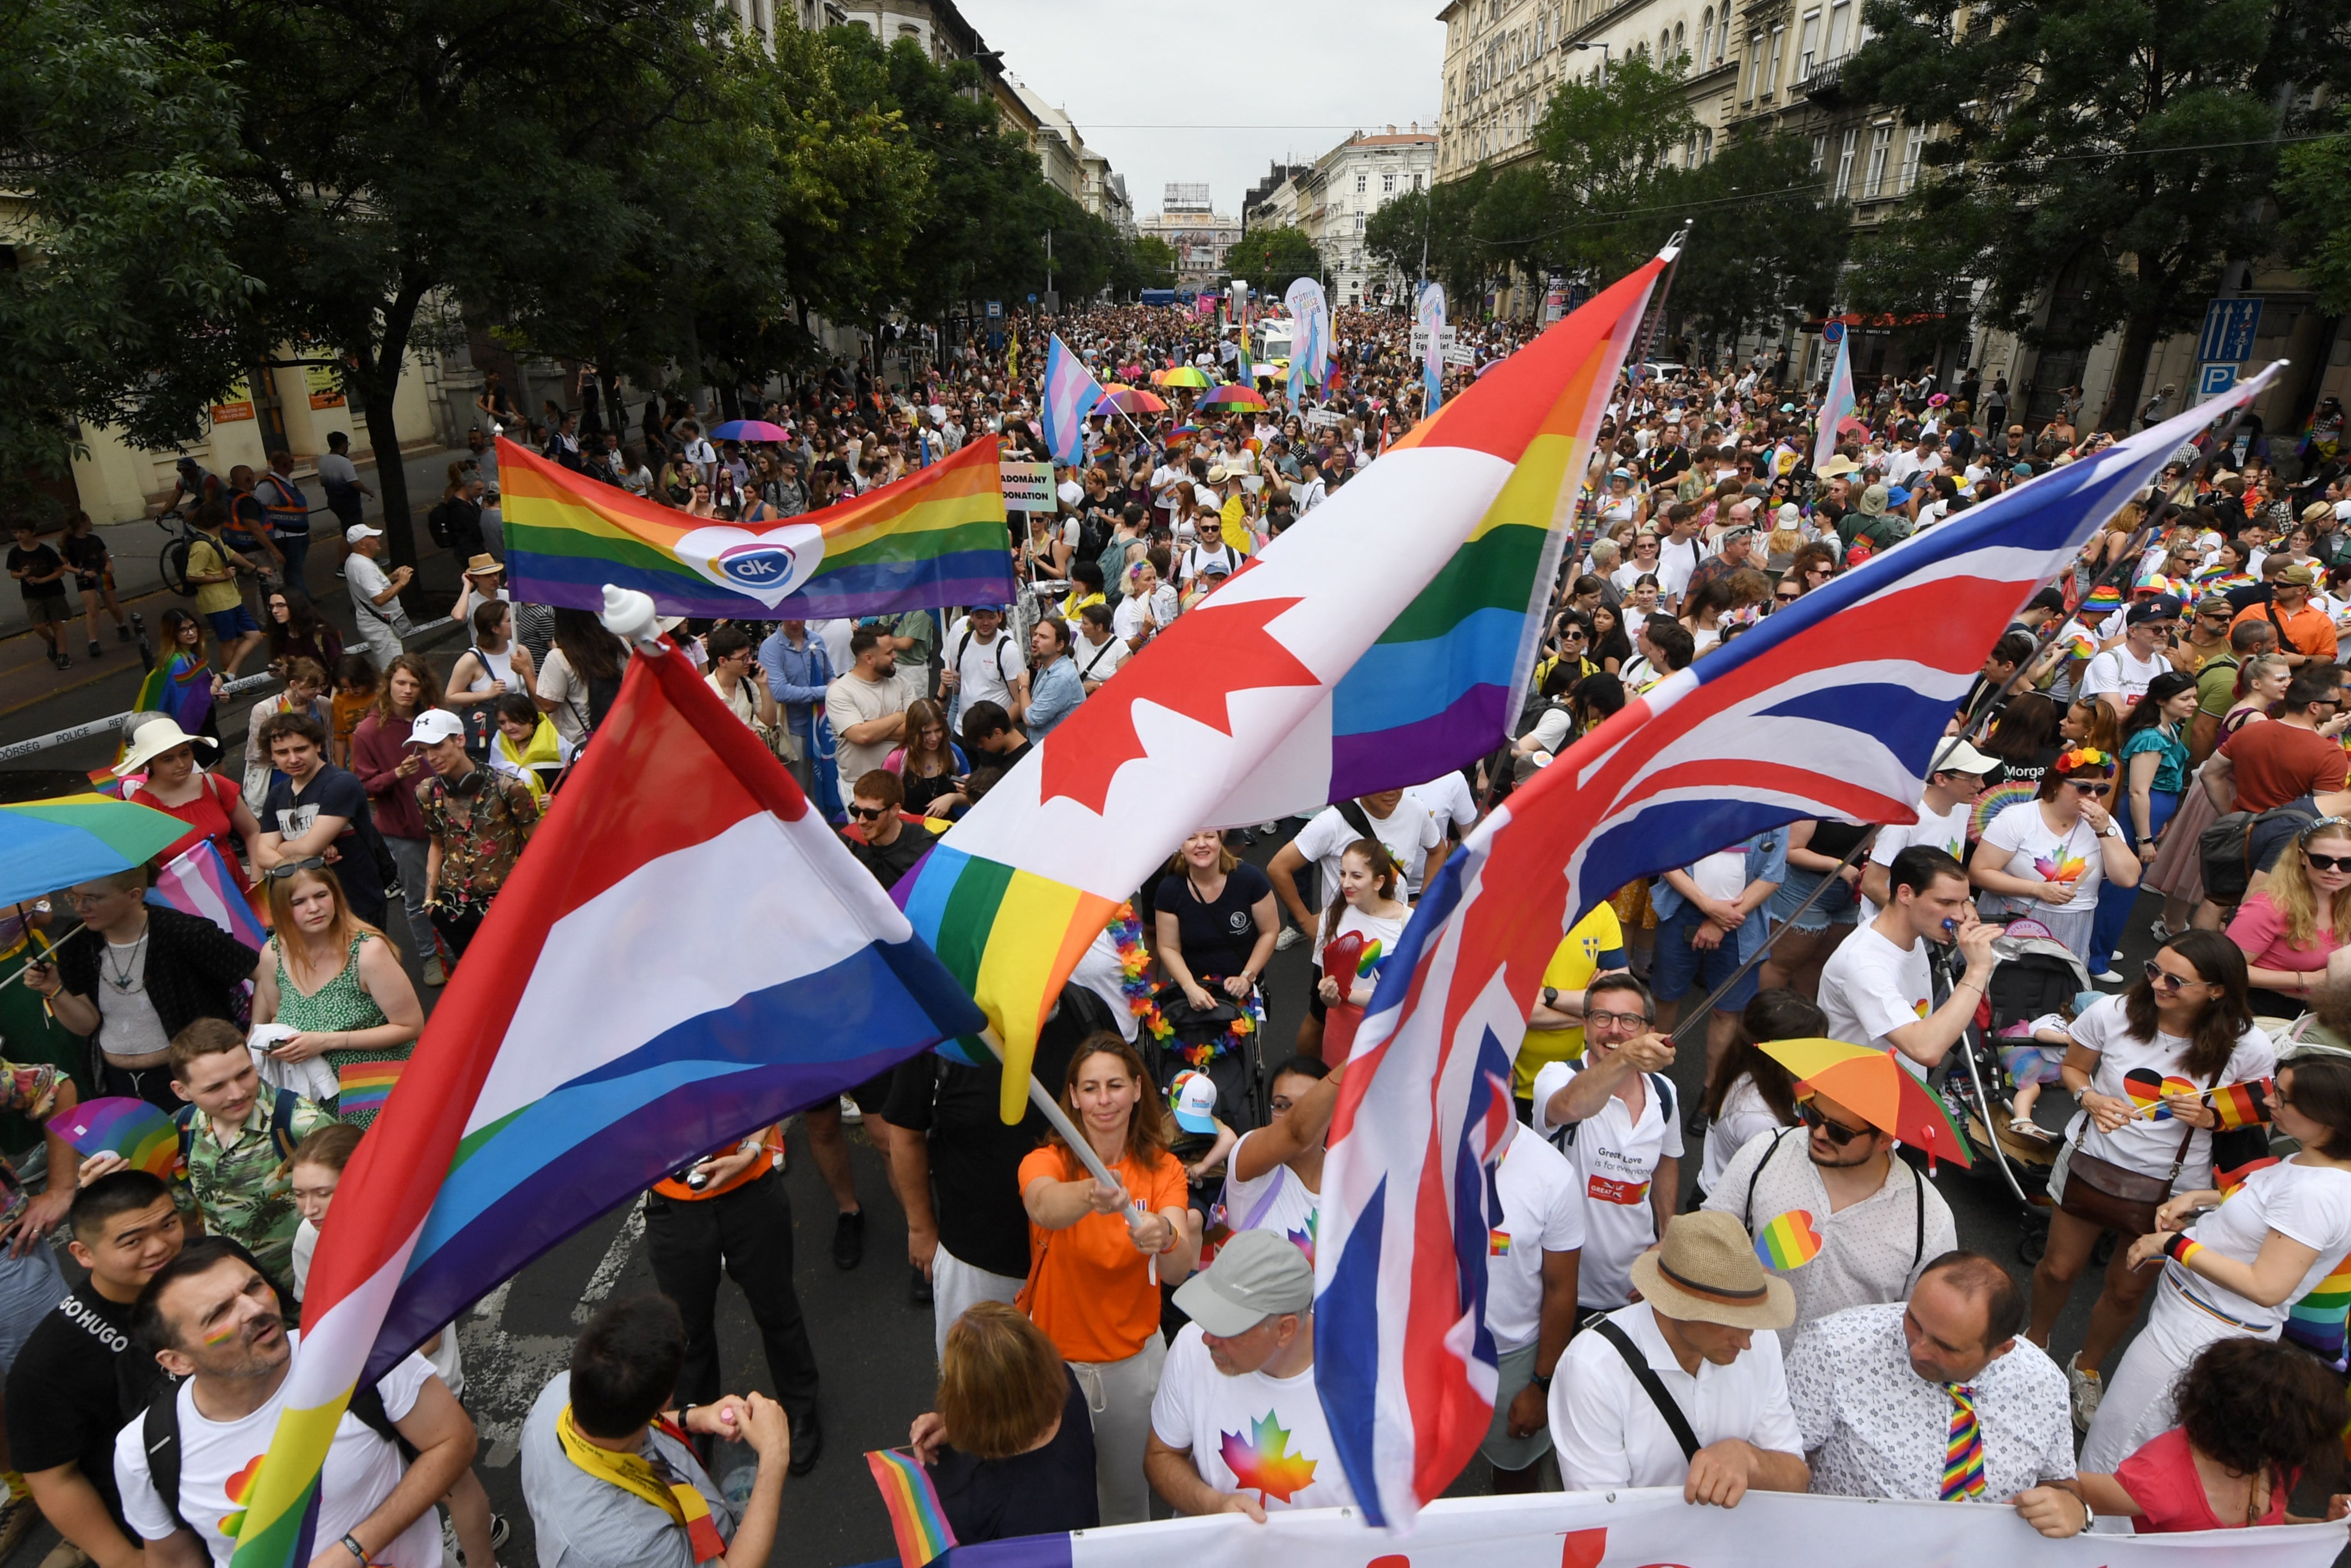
(936, 538)
(1381, 641)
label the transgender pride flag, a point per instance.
(1839, 402)
(200, 880)
(1070, 393)
(590, 1043)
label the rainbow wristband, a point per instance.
(2181, 1248)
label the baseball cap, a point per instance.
(2162, 607)
(1256, 1275)
(1217, 567)
(436, 724)
(2299, 574)
(1193, 1098)
(1964, 759)
(2213, 604)
(358, 531)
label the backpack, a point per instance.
(2240, 843)
(1093, 535)
(1668, 1106)
(439, 524)
(159, 1430)
(964, 643)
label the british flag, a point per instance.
(1832, 706)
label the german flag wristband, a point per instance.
(2181, 1248)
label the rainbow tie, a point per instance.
(1963, 1460)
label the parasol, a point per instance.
(1132, 400)
(1234, 396)
(750, 430)
(1876, 1087)
(1183, 376)
(48, 844)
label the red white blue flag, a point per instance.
(1832, 706)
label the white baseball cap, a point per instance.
(435, 726)
(1193, 1098)
(358, 531)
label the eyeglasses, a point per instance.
(868, 813)
(1838, 1132)
(1593, 1019)
(2164, 980)
(280, 873)
(2089, 789)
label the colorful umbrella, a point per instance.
(1132, 400)
(1234, 396)
(1876, 1087)
(48, 844)
(1183, 376)
(750, 430)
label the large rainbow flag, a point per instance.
(1381, 641)
(936, 538)
(545, 1094)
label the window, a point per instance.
(1358, 184)
(1805, 40)
(1881, 141)
(1418, 182)
(1387, 185)
(1705, 32)
(1820, 152)
(1723, 36)
(1665, 47)
(1705, 146)
(1754, 64)
(1845, 164)
(1680, 48)
(1910, 151)
(1778, 51)
(1840, 15)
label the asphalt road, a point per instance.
(873, 1344)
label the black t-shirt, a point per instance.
(333, 792)
(894, 860)
(1217, 938)
(975, 1157)
(1045, 1491)
(41, 561)
(85, 553)
(76, 1381)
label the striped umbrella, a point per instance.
(48, 844)
(1876, 1087)
(1234, 396)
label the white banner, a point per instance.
(1653, 1528)
(1028, 486)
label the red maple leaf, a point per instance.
(1099, 738)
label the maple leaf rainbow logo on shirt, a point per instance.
(1262, 1463)
(2064, 871)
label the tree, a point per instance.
(1611, 147)
(2102, 161)
(2315, 194)
(1428, 234)
(1762, 247)
(1270, 259)
(115, 148)
(1155, 262)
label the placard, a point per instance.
(1028, 486)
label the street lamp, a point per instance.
(1604, 56)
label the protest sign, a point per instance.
(1028, 486)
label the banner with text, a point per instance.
(1651, 1528)
(1028, 486)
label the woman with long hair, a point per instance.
(1011, 1448)
(2253, 1263)
(2047, 857)
(2140, 1066)
(2091, 724)
(1609, 646)
(929, 763)
(337, 982)
(2288, 927)
(1098, 1256)
(2152, 777)
(1815, 563)
(391, 770)
(182, 686)
(581, 676)
(214, 807)
(1819, 849)
(2261, 680)
(297, 632)
(1748, 1094)
(494, 665)
(1217, 920)
(1364, 923)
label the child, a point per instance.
(316, 1169)
(355, 683)
(93, 568)
(2032, 1053)
(40, 572)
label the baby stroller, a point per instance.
(2035, 975)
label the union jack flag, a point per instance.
(1832, 706)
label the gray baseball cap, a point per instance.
(1257, 1275)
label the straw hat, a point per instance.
(482, 566)
(1707, 1271)
(153, 739)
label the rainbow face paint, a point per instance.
(226, 1333)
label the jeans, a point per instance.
(409, 854)
(2115, 902)
(748, 1232)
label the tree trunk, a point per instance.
(380, 380)
(2130, 374)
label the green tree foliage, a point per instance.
(2315, 191)
(1763, 245)
(1610, 147)
(2117, 153)
(1437, 225)
(1270, 259)
(1154, 262)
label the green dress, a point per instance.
(342, 1004)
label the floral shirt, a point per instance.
(243, 1180)
(31, 1088)
(481, 832)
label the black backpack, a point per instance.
(160, 1431)
(282, 1109)
(440, 525)
(2240, 843)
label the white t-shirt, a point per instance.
(1721, 875)
(1744, 1113)
(1449, 799)
(835, 635)
(1126, 621)
(1615, 1158)
(1195, 559)
(1409, 832)
(851, 699)
(985, 670)
(362, 1467)
(1279, 1200)
(2309, 1204)
(1098, 662)
(1250, 1421)
(2145, 1071)
(1870, 987)
(366, 578)
(1947, 831)
(1677, 558)
(2033, 850)
(2116, 670)
(1542, 1211)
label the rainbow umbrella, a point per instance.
(48, 844)
(1132, 400)
(1191, 376)
(1234, 396)
(749, 430)
(1878, 1089)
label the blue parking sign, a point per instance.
(2212, 381)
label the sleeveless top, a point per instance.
(499, 666)
(342, 1004)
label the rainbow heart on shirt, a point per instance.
(2149, 1089)
(1790, 1241)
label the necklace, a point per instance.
(131, 975)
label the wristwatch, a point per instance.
(1550, 999)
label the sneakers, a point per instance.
(850, 1111)
(2160, 929)
(499, 1531)
(122, 630)
(433, 973)
(2087, 1387)
(17, 1517)
(59, 659)
(848, 1243)
(2109, 975)
(96, 649)
(1290, 937)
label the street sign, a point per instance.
(2212, 381)
(1028, 486)
(996, 309)
(2228, 328)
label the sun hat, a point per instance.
(1873, 501)
(1192, 1099)
(1261, 1273)
(1707, 1271)
(435, 726)
(153, 739)
(1837, 467)
(482, 565)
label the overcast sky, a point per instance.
(1223, 92)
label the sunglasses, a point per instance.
(1786, 598)
(867, 813)
(280, 873)
(1838, 1132)
(2091, 788)
(2327, 863)
(2164, 980)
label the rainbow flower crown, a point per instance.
(2083, 756)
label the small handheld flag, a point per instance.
(120, 1124)
(916, 1520)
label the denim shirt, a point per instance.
(1057, 690)
(1767, 861)
(797, 677)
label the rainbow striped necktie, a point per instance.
(1963, 1460)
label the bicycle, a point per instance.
(172, 564)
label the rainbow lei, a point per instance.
(1133, 960)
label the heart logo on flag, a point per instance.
(769, 566)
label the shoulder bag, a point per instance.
(2115, 1197)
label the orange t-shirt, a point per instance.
(1091, 1291)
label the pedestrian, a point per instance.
(1011, 1448)
(159, 770)
(1216, 921)
(40, 574)
(984, 665)
(798, 670)
(375, 593)
(1877, 988)
(288, 510)
(215, 1322)
(318, 810)
(494, 665)
(236, 1134)
(1366, 921)
(304, 691)
(1748, 1092)
(1594, 945)
(1099, 1255)
(1709, 926)
(345, 489)
(93, 568)
(213, 567)
(579, 679)
(990, 731)
(30, 1283)
(1532, 1259)
(866, 705)
(343, 994)
(1058, 688)
(2051, 859)
(931, 769)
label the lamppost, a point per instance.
(1604, 56)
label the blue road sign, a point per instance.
(2211, 380)
(2228, 328)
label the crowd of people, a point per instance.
(1785, 1308)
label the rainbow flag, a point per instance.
(200, 880)
(936, 536)
(915, 1517)
(1384, 639)
(119, 1124)
(181, 686)
(364, 1087)
(2317, 1322)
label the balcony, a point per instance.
(1821, 83)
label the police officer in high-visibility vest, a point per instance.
(288, 510)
